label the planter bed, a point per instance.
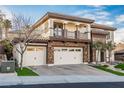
(109, 70)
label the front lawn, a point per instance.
(25, 72)
(109, 70)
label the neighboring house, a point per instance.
(65, 40)
(119, 52)
(2, 30)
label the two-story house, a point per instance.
(65, 40)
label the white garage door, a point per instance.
(35, 56)
(65, 55)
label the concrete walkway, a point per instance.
(15, 80)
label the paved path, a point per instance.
(57, 79)
(76, 69)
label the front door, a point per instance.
(102, 56)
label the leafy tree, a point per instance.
(7, 25)
(8, 48)
(97, 46)
(110, 46)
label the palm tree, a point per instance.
(97, 46)
(110, 46)
(7, 24)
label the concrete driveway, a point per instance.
(78, 69)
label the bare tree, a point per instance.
(25, 34)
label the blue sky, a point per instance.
(109, 15)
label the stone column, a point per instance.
(85, 53)
(50, 54)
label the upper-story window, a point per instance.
(108, 36)
(58, 29)
(83, 29)
(58, 25)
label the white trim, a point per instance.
(85, 63)
(51, 64)
(89, 31)
(37, 44)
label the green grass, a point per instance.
(25, 72)
(121, 66)
(109, 70)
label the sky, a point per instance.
(112, 15)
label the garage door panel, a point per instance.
(35, 56)
(65, 55)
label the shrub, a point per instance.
(105, 66)
(121, 65)
(7, 48)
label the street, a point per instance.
(72, 85)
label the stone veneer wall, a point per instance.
(52, 44)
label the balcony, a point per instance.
(60, 33)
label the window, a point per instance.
(30, 49)
(71, 49)
(58, 28)
(56, 49)
(39, 49)
(58, 25)
(78, 50)
(108, 36)
(64, 49)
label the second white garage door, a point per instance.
(66, 55)
(35, 56)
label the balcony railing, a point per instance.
(70, 34)
(82, 35)
(60, 33)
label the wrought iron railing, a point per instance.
(70, 34)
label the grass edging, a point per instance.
(109, 70)
(25, 72)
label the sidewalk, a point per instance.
(15, 80)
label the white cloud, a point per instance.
(103, 13)
(93, 14)
(120, 18)
(78, 13)
(119, 35)
(110, 23)
(97, 6)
